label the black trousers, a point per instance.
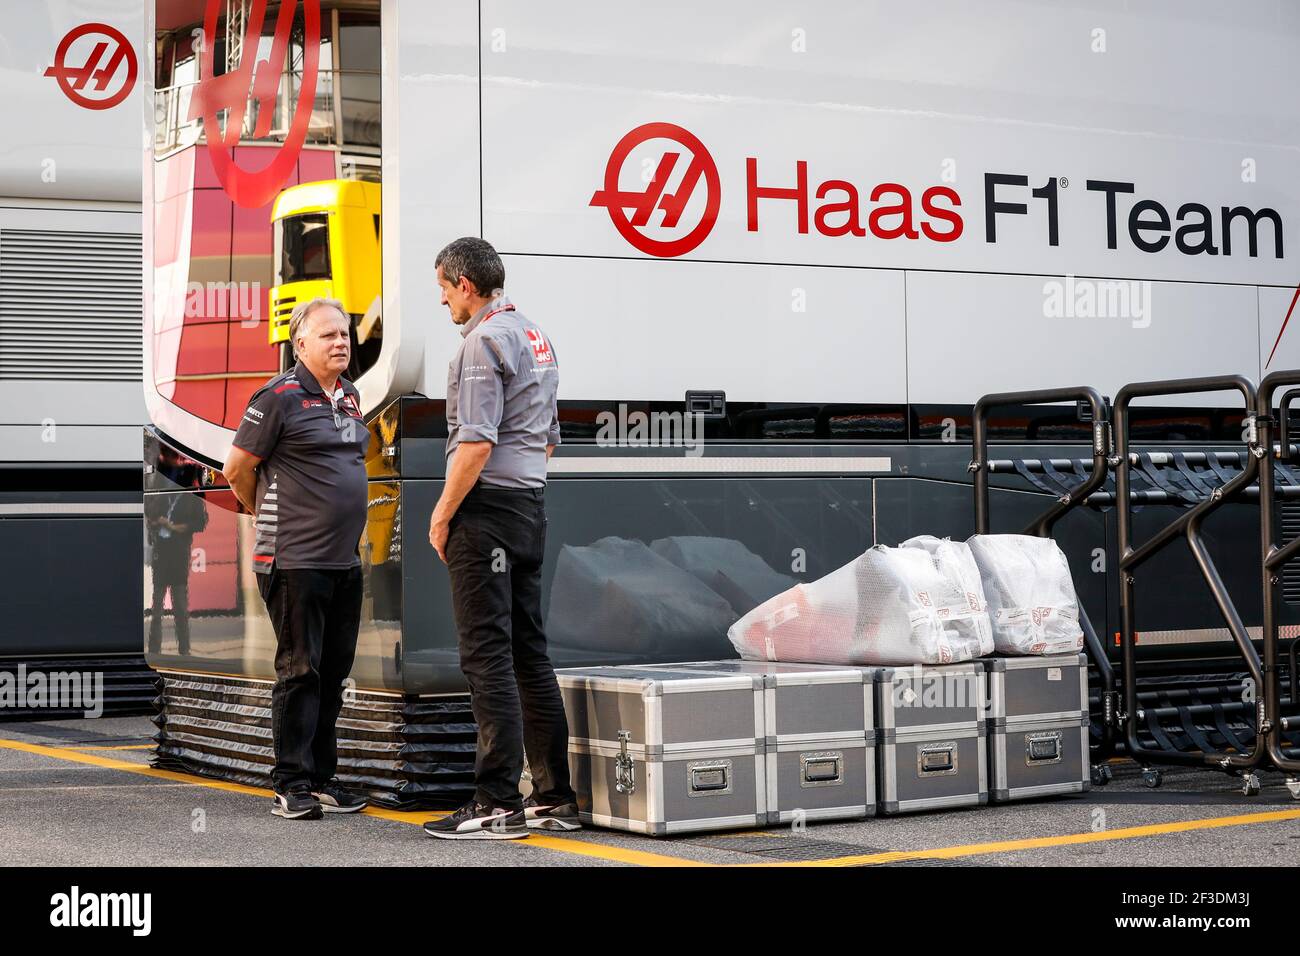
(494, 554)
(171, 571)
(315, 613)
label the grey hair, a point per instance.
(302, 310)
(475, 259)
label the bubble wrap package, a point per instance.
(954, 560)
(906, 605)
(1032, 602)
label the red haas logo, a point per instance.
(260, 79)
(542, 353)
(890, 210)
(73, 81)
(643, 204)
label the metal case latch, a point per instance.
(624, 769)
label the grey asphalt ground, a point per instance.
(56, 809)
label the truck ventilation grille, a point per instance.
(70, 305)
(1290, 510)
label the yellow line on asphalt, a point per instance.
(645, 858)
(118, 747)
(605, 852)
(416, 818)
(109, 763)
(1038, 843)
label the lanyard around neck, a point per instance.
(504, 308)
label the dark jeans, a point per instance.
(171, 570)
(315, 613)
(494, 554)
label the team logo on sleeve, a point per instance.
(542, 354)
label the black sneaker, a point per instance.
(334, 799)
(560, 816)
(474, 821)
(297, 804)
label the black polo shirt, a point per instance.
(311, 482)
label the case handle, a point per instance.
(936, 759)
(1043, 748)
(822, 769)
(707, 778)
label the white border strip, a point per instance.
(46, 509)
(756, 464)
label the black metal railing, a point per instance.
(1188, 525)
(1274, 557)
(1199, 483)
(1072, 497)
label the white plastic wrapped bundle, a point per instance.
(954, 560)
(889, 606)
(1032, 602)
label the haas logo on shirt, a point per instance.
(542, 354)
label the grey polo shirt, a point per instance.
(311, 482)
(501, 388)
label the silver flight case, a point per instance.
(818, 726)
(930, 733)
(660, 752)
(1038, 726)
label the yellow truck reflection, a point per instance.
(327, 243)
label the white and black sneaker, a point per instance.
(559, 816)
(334, 799)
(474, 821)
(297, 804)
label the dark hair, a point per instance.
(475, 259)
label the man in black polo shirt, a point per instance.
(298, 464)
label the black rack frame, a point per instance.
(1043, 525)
(1188, 525)
(1274, 557)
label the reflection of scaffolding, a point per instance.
(236, 18)
(236, 21)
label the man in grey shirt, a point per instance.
(489, 527)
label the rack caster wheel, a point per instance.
(1293, 787)
(1250, 785)
(1101, 774)
(1152, 778)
